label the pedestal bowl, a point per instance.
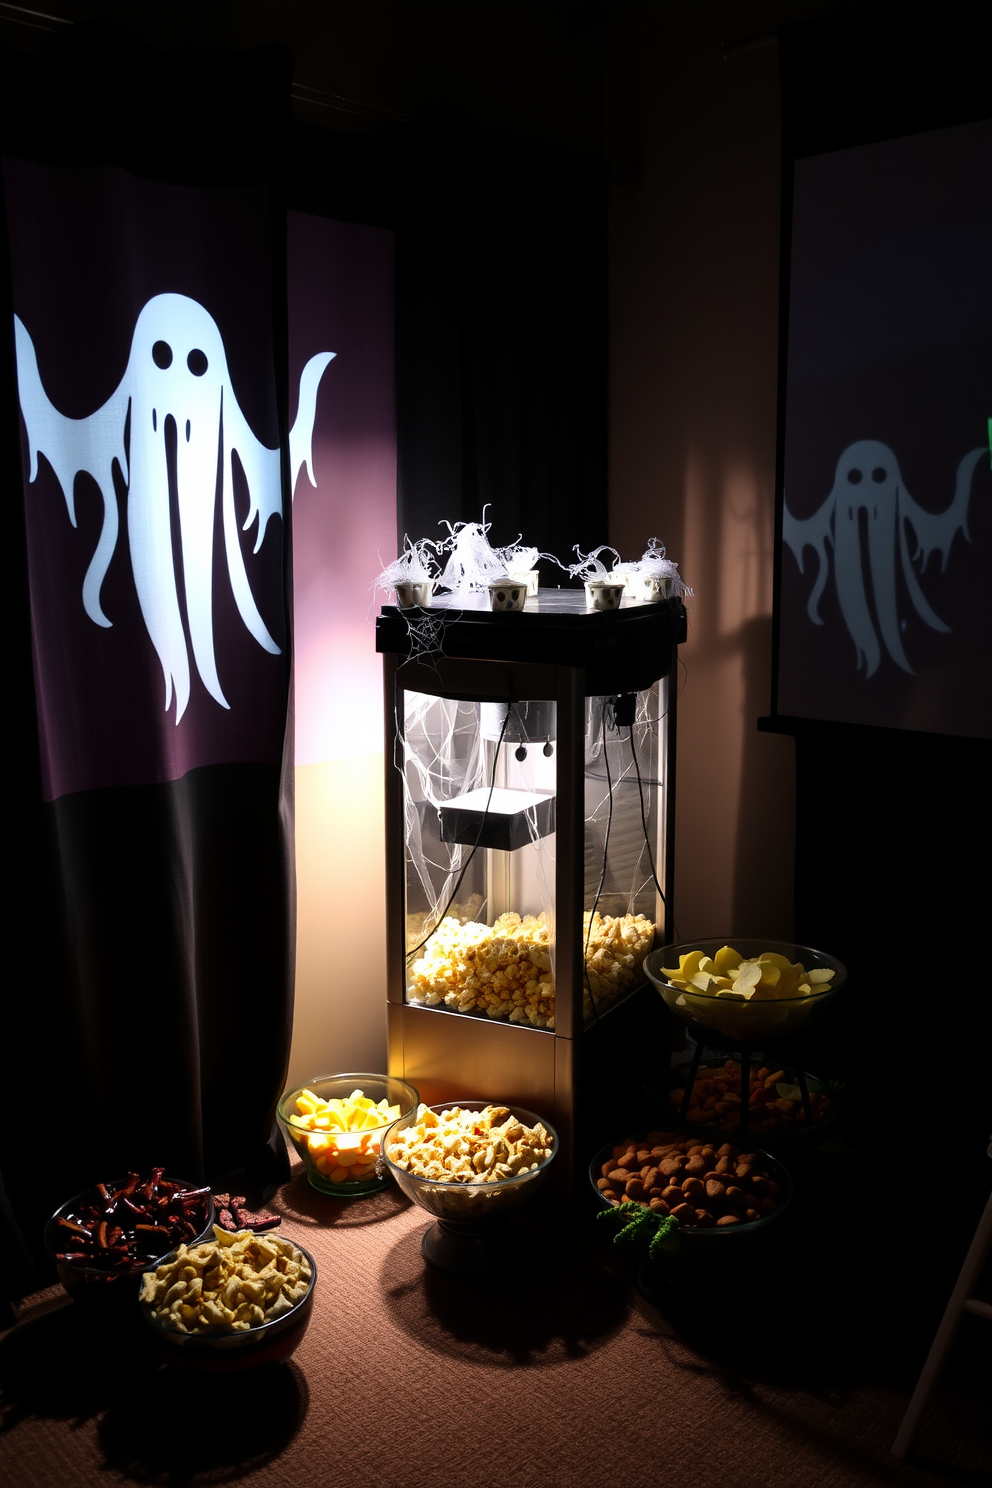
(756, 1015)
(467, 1235)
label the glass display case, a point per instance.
(529, 826)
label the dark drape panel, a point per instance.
(501, 337)
(148, 1016)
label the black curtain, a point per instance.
(148, 1018)
(501, 321)
(501, 337)
(147, 1015)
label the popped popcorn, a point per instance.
(504, 970)
(229, 1284)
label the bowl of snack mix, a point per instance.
(747, 991)
(337, 1123)
(470, 1164)
(102, 1239)
(233, 1302)
(776, 1110)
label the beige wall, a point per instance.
(340, 1021)
(694, 286)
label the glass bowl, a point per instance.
(346, 1164)
(229, 1353)
(466, 1212)
(733, 1018)
(83, 1281)
(695, 1241)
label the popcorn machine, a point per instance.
(529, 836)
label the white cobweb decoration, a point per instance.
(426, 631)
(473, 563)
(415, 565)
(591, 565)
(653, 564)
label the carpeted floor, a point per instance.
(791, 1365)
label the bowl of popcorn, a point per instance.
(337, 1123)
(469, 1164)
(233, 1302)
(751, 991)
(102, 1239)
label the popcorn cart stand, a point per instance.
(529, 844)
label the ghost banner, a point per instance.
(869, 485)
(886, 477)
(155, 488)
(170, 404)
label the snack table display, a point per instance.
(529, 835)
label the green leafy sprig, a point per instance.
(658, 1231)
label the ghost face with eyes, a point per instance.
(178, 375)
(868, 481)
(177, 390)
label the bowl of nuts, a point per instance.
(716, 1192)
(469, 1164)
(105, 1237)
(750, 992)
(337, 1123)
(231, 1303)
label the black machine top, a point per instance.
(622, 650)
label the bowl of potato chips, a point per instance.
(748, 991)
(337, 1123)
(233, 1302)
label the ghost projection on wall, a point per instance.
(177, 401)
(868, 481)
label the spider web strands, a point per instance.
(436, 778)
(630, 869)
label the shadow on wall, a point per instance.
(736, 809)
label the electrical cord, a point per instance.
(644, 818)
(602, 876)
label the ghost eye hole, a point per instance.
(854, 476)
(197, 362)
(162, 354)
(878, 474)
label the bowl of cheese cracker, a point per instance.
(230, 1303)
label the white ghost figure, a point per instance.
(177, 370)
(868, 479)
